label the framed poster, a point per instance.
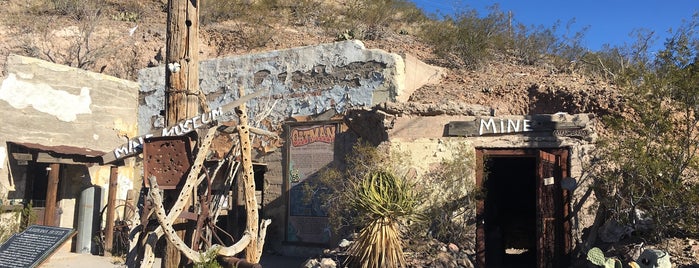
(310, 148)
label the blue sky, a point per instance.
(609, 22)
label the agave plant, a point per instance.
(382, 199)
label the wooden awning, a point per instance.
(62, 154)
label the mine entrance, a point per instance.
(522, 217)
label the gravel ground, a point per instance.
(63, 258)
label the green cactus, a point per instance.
(596, 257)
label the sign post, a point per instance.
(32, 246)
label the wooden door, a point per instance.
(553, 237)
(548, 177)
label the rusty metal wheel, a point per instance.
(123, 220)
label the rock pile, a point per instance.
(432, 253)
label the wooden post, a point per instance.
(182, 59)
(181, 79)
(51, 195)
(111, 207)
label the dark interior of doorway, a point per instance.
(510, 212)
(37, 184)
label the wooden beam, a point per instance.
(51, 195)
(111, 207)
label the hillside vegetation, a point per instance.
(91, 33)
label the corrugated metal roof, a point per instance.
(61, 149)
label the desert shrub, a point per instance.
(531, 44)
(245, 10)
(466, 37)
(367, 194)
(469, 39)
(363, 160)
(370, 20)
(383, 200)
(253, 22)
(304, 12)
(611, 62)
(568, 48)
(562, 48)
(130, 11)
(648, 176)
(64, 32)
(68, 7)
(215, 11)
(16, 220)
(449, 199)
(77, 10)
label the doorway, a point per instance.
(510, 211)
(522, 217)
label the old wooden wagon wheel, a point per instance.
(123, 221)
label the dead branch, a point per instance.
(171, 235)
(263, 234)
(251, 235)
(251, 252)
(258, 131)
(192, 178)
(166, 225)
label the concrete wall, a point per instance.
(423, 139)
(301, 81)
(56, 105)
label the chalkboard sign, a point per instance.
(32, 246)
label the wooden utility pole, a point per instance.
(181, 79)
(182, 59)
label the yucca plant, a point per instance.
(382, 200)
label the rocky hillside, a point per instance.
(128, 36)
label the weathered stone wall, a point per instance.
(300, 81)
(56, 105)
(423, 139)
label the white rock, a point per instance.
(311, 263)
(344, 243)
(327, 263)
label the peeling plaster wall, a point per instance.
(44, 98)
(301, 81)
(52, 105)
